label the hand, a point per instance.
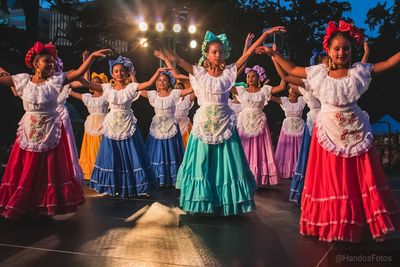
(160, 54)
(163, 69)
(85, 55)
(171, 56)
(275, 30)
(249, 40)
(264, 50)
(102, 53)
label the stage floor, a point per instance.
(153, 232)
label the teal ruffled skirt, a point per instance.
(216, 178)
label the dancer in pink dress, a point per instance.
(289, 142)
(253, 128)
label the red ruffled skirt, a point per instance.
(40, 182)
(344, 197)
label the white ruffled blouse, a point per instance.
(40, 128)
(252, 119)
(214, 120)
(120, 123)
(236, 107)
(293, 124)
(164, 125)
(97, 107)
(314, 105)
(343, 128)
(182, 113)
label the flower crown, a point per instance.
(171, 79)
(353, 32)
(259, 70)
(102, 76)
(126, 62)
(37, 49)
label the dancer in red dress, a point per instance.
(345, 189)
(39, 177)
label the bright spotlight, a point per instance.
(159, 27)
(193, 44)
(143, 26)
(177, 27)
(192, 28)
(143, 42)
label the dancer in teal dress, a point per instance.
(214, 176)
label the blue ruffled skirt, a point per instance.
(165, 157)
(122, 168)
(297, 184)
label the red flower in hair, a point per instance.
(332, 28)
(38, 48)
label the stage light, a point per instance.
(193, 44)
(143, 42)
(143, 26)
(177, 27)
(192, 28)
(159, 27)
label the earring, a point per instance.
(332, 65)
(222, 65)
(206, 64)
(39, 73)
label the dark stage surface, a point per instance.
(153, 232)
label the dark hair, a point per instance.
(342, 34)
(180, 83)
(213, 42)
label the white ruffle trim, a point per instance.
(338, 91)
(213, 140)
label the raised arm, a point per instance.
(152, 80)
(286, 65)
(4, 73)
(75, 74)
(90, 85)
(281, 87)
(85, 55)
(175, 73)
(366, 53)
(284, 76)
(256, 44)
(178, 60)
(247, 44)
(7, 81)
(186, 91)
(276, 99)
(75, 95)
(387, 64)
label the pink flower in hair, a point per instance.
(260, 72)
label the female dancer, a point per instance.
(122, 168)
(345, 188)
(164, 143)
(215, 176)
(39, 177)
(252, 126)
(288, 147)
